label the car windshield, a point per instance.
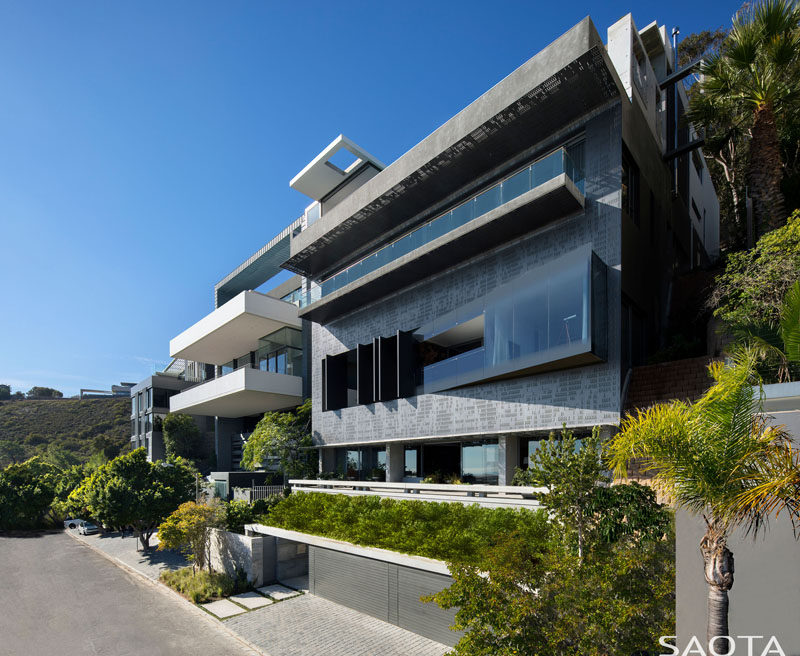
(88, 525)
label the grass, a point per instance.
(202, 586)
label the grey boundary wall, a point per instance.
(583, 396)
(765, 597)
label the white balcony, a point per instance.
(240, 393)
(234, 328)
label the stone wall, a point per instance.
(231, 552)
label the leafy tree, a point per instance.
(779, 342)
(610, 591)
(236, 514)
(5, 392)
(181, 435)
(26, 492)
(756, 70)
(44, 393)
(189, 529)
(129, 491)
(546, 601)
(59, 457)
(285, 436)
(705, 456)
(571, 475)
(755, 282)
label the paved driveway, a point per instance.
(59, 597)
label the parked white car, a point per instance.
(87, 528)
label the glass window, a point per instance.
(499, 331)
(531, 317)
(567, 307)
(353, 464)
(141, 401)
(412, 461)
(149, 397)
(479, 462)
(281, 362)
(133, 404)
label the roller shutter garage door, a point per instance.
(426, 619)
(353, 581)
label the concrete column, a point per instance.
(395, 462)
(508, 458)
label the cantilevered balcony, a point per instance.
(542, 192)
(240, 393)
(234, 328)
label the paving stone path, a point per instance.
(309, 625)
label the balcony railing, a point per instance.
(556, 163)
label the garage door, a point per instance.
(358, 583)
(426, 619)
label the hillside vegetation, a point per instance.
(79, 427)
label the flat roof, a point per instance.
(564, 81)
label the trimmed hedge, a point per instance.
(446, 531)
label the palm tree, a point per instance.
(781, 341)
(704, 457)
(757, 70)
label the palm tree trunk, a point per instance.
(718, 570)
(765, 169)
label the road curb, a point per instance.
(164, 589)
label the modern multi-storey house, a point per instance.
(150, 404)
(502, 277)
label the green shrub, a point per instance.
(202, 586)
(446, 531)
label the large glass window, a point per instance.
(542, 316)
(411, 461)
(479, 462)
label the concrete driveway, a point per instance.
(58, 596)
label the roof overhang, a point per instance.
(233, 329)
(241, 393)
(321, 176)
(568, 79)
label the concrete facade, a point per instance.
(578, 397)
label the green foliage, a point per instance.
(5, 392)
(129, 491)
(613, 594)
(705, 455)
(588, 511)
(78, 427)
(285, 436)
(447, 531)
(237, 513)
(752, 288)
(44, 393)
(189, 529)
(777, 345)
(543, 600)
(181, 436)
(201, 586)
(26, 492)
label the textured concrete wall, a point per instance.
(579, 397)
(231, 552)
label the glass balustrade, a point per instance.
(561, 161)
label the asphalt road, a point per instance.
(57, 596)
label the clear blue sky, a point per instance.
(146, 147)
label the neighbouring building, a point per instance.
(150, 404)
(502, 277)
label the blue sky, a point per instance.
(146, 147)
